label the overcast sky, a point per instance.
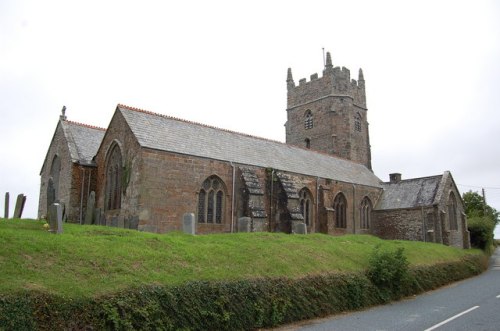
(432, 75)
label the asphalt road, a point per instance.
(473, 304)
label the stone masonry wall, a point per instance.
(400, 224)
(119, 133)
(57, 147)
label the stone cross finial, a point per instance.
(63, 114)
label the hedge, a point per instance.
(219, 305)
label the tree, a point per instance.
(475, 206)
(481, 220)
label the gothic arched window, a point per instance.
(340, 208)
(306, 205)
(452, 211)
(211, 201)
(357, 122)
(365, 212)
(308, 120)
(113, 191)
(55, 169)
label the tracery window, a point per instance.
(340, 207)
(113, 191)
(306, 205)
(308, 121)
(55, 169)
(452, 212)
(366, 211)
(357, 122)
(211, 201)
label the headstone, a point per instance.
(188, 223)
(259, 225)
(299, 227)
(6, 215)
(56, 219)
(244, 224)
(89, 211)
(134, 222)
(98, 217)
(21, 200)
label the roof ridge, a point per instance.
(200, 124)
(416, 178)
(232, 131)
(85, 125)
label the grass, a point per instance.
(95, 260)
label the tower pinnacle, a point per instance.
(328, 64)
(289, 79)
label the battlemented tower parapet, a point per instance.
(328, 113)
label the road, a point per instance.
(473, 304)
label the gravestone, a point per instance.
(134, 222)
(21, 200)
(56, 219)
(188, 223)
(89, 211)
(6, 215)
(259, 225)
(299, 227)
(244, 224)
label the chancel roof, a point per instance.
(410, 193)
(165, 133)
(83, 141)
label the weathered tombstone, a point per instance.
(244, 224)
(188, 223)
(258, 225)
(299, 227)
(89, 211)
(56, 219)
(6, 215)
(21, 200)
(134, 222)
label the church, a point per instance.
(145, 171)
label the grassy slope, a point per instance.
(93, 260)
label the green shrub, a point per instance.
(231, 305)
(481, 232)
(389, 272)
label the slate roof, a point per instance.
(83, 141)
(166, 133)
(410, 193)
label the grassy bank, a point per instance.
(90, 261)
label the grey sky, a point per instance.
(432, 73)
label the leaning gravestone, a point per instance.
(89, 212)
(6, 215)
(55, 220)
(188, 223)
(244, 224)
(299, 228)
(18, 211)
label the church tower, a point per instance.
(329, 114)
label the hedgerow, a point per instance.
(219, 305)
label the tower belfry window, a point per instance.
(308, 121)
(357, 122)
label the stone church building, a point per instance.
(147, 170)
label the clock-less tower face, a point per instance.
(329, 114)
